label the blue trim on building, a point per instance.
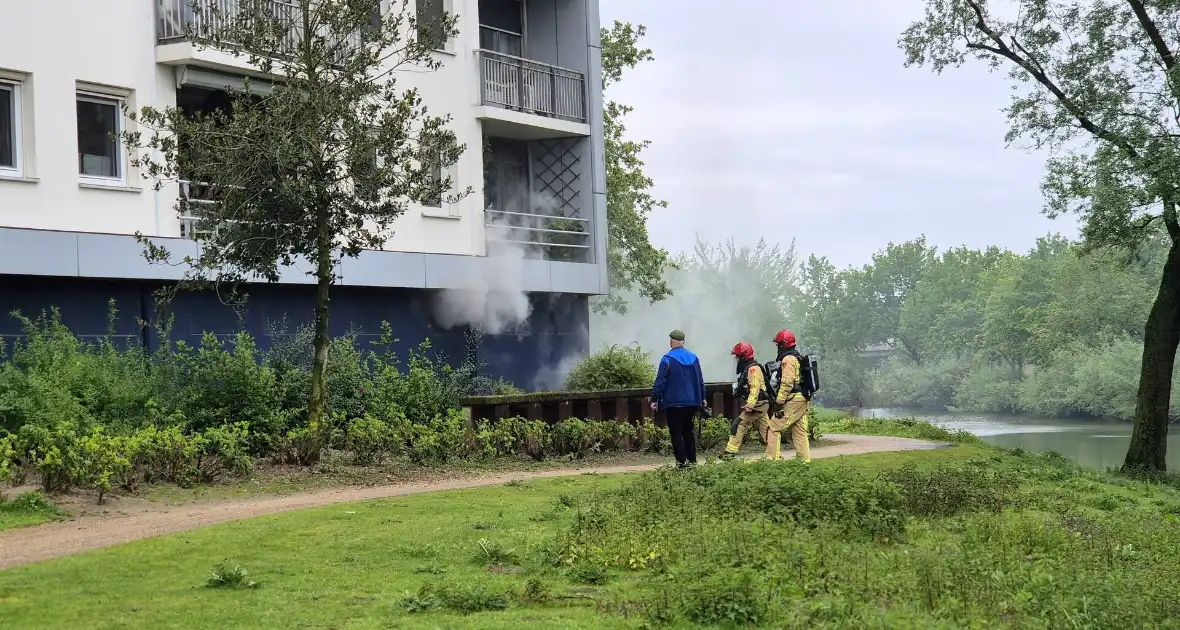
(556, 329)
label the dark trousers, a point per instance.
(684, 437)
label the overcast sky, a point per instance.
(795, 119)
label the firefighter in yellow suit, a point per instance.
(750, 391)
(790, 408)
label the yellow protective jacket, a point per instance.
(755, 384)
(789, 379)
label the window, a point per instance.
(439, 177)
(501, 25)
(100, 149)
(10, 127)
(431, 23)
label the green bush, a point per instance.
(213, 386)
(714, 434)
(370, 440)
(930, 385)
(65, 456)
(613, 367)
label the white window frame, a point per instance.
(445, 209)
(18, 123)
(121, 148)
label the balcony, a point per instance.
(176, 19)
(532, 87)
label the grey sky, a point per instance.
(795, 118)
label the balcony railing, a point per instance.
(532, 87)
(175, 19)
(540, 236)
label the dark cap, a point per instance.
(676, 335)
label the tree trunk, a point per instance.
(317, 406)
(1149, 442)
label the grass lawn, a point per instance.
(30, 508)
(992, 539)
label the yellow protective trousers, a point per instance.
(757, 418)
(792, 418)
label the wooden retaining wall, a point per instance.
(631, 405)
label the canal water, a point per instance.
(1095, 443)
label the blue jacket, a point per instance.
(679, 381)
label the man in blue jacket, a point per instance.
(679, 391)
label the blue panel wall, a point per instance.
(555, 331)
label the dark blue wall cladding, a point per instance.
(527, 356)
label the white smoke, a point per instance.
(492, 301)
(495, 300)
(721, 295)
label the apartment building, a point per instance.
(521, 81)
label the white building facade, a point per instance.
(521, 81)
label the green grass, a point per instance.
(29, 508)
(989, 539)
(895, 427)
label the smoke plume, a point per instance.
(721, 295)
(495, 300)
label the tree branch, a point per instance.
(1161, 48)
(1030, 66)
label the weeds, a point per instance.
(491, 553)
(461, 599)
(227, 576)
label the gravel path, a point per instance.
(53, 540)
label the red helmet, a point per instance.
(743, 350)
(785, 338)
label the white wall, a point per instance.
(55, 45)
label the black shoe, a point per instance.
(726, 456)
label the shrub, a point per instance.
(300, 447)
(650, 438)
(613, 367)
(930, 385)
(435, 441)
(213, 386)
(370, 440)
(573, 437)
(714, 434)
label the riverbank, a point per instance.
(1100, 444)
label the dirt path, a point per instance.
(53, 540)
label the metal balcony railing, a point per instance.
(193, 225)
(532, 87)
(175, 19)
(540, 236)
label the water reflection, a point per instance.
(1096, 443)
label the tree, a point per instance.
(942, 313)
(633, 262)
(887, 283)
(318, 168)
(1097, 86)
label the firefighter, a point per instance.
(790, 408)
(750, 391)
